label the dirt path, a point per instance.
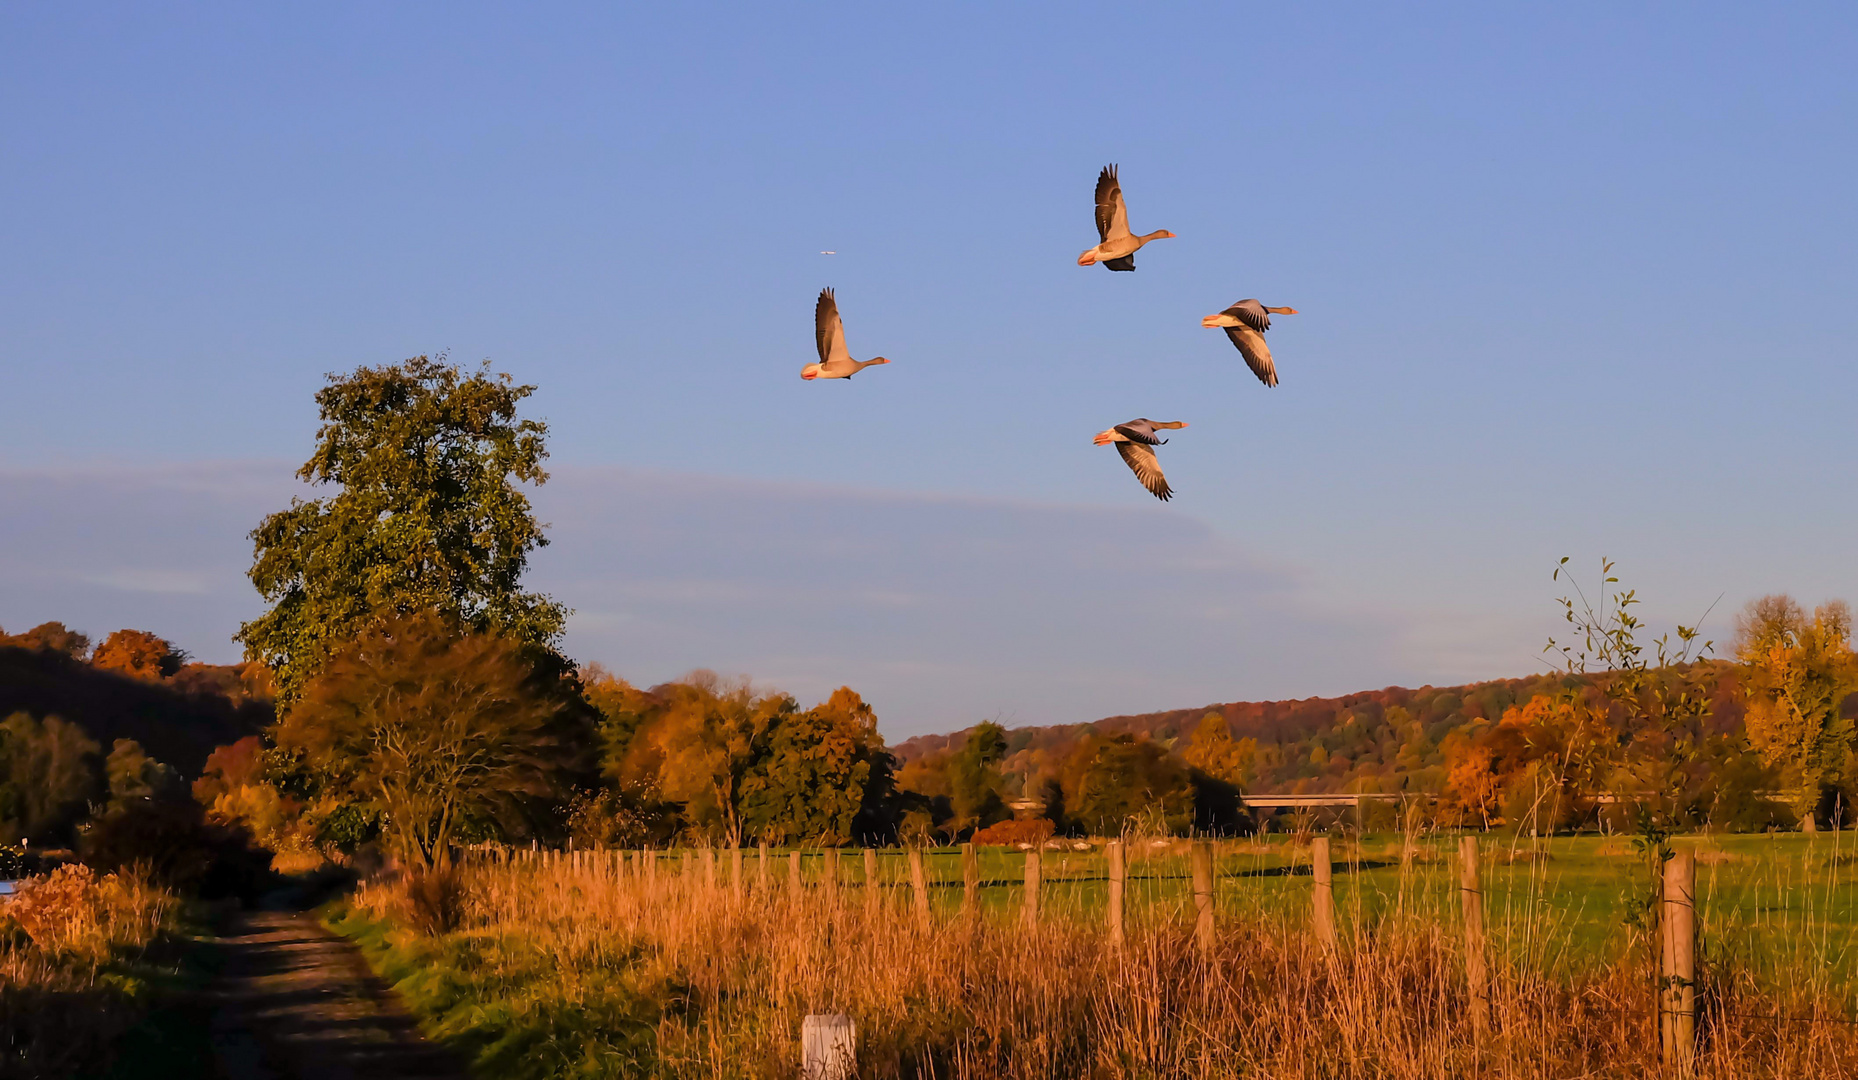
(295, 1002)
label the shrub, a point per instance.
(65, 995)
(433, 900)
(174, 844)
(1014, 833)
(75, 912)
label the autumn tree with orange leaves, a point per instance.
(138, 653)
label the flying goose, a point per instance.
(1245, 323)
(829, 335)
(1118, 247)
(1135, 442)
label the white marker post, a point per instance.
(828, 1047)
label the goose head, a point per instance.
(1104, 438)
(810, 372)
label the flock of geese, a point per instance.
(1244, 322)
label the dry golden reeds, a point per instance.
(74, 912)
(60, 1010)
(733, 973)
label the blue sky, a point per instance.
(1573, 281)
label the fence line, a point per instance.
(1676, 1001)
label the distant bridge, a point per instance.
(1278, 802)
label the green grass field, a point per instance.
(1766, 901)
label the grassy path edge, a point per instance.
(509, 1022)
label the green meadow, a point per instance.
(1766, 901)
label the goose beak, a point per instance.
(1209, 321)
(808, 376)
(1102, 437)
(1088, 258)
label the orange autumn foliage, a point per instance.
(138, 653)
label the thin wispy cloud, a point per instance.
(940, 609)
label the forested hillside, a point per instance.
(178, 719)
(83, 728)
(1376, 740)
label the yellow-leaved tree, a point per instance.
(1797, 672)
(1214, 751)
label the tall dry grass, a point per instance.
(62, 1002)
(687, 978)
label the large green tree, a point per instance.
(426, 515)
(974, 779)
(1111, 780)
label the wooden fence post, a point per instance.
(1203, 895)
(1678, 988)
(709, 868)
(793, 870)
(873, 897)
(1114, 850)
(970, 880)
(919, 884)
(735, 869)
(830, 872)
(1322, 913)
(1032, 886)
(1476, 965)
(762, 871)
(651, 864)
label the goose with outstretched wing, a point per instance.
(1136, 441)
(1116, 246)
(1245, 323)
(829, 335)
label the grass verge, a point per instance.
(505, 1006)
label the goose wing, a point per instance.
(1112, 215)
(1256, 353)
(1142, 431)
(1141, 460)
(829, 329)
(1251, 313)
